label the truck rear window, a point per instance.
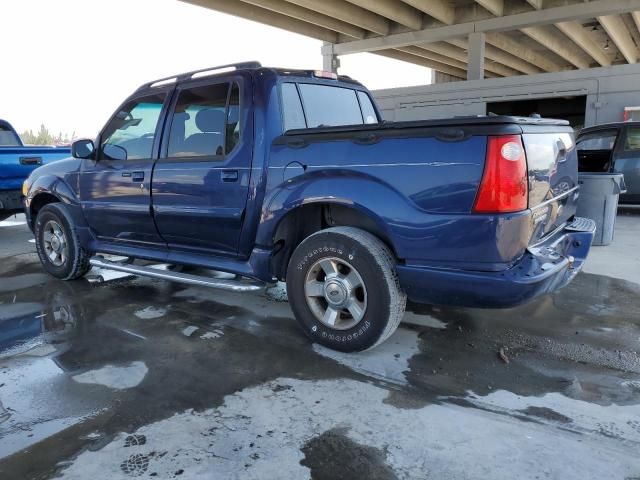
(8, 138)
(309, 105)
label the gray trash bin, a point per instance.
(598, 201)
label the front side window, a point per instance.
(131, 133)
(598, 141)
(633, 139)
(206, 121)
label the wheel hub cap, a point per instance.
(335, 292)
(56, 244)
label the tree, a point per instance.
(44, 137)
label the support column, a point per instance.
(330, 61)
(475, 64)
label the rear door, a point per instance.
(627, 162)
(115, 189)
(552, 163)
(201, 182)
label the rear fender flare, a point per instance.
(377, 201)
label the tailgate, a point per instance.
(552, 163)
(16, 163)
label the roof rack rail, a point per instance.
(188, 75)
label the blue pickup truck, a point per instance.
(16, 163)
(291, 175)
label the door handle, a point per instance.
(229, 175)
(30, 160)
(137, 176)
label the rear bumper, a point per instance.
(542, 269)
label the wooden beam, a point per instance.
(500, 56)
(494, 6)
(576, 32)
(595, 8)
(306, 15)
(348, 12)
(260, 15)
(425, 62)
(617, 31)
(552, 42)
(394, 10)
(505, 43)
(438, 9)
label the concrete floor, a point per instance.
(133, 377)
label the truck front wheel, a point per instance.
(58, 245)
(343, 289)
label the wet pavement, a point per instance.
(132, 377)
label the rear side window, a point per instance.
(292, 107)
(330, 106)
(206, 121)
(7, 137)
(368, 112)
(308, 105)
(633, 139)
(604, 140)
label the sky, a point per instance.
(69, 64)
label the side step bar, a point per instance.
(223, 284)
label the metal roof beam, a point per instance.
(618, 32)
(596, 8)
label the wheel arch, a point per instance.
(305, 219)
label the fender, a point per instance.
(42, 182)
(368, 195)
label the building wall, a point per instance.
(608, 91)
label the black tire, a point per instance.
(348, 249)
(75, 263)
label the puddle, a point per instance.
(150, 313)
(116, 377)
(332, 455)
(388, 361)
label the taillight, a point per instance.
(504, 187)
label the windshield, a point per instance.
(8, 137)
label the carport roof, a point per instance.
(522, 36)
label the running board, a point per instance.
(222, 284)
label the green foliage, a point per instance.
(45, 137)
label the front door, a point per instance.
(628, 163)
(201, 181)
(115, 189)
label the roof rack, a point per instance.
(189, 75)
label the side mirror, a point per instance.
(114, 152)
(83, 149)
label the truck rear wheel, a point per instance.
(58, 245)
(343, 289)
